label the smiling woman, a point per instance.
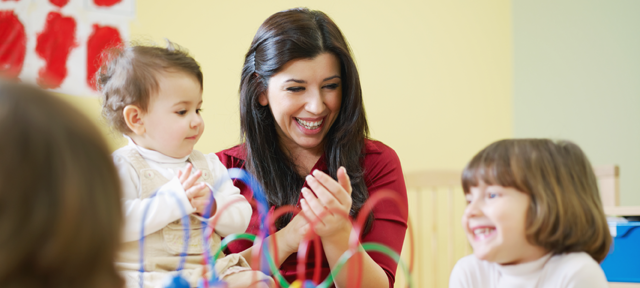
(306, 141)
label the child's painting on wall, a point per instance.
(57, 44)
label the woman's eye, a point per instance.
(295, 89)
(181, 112)
(199, 110)
(492, 195)
(333, 86)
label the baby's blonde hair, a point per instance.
(128, 77)
(565, 214)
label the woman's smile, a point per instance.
(309, 126)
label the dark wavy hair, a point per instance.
(293, 34)
(60, 213)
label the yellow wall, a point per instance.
(436, 75)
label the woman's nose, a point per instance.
(315, 102)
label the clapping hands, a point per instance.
(198, 194)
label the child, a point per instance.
(534, 218)
(153, 95)
(60, 214)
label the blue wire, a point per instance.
(234, 173)
(206, 216)
(263, 206)
(185, 225)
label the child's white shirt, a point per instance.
(166, 205)
(569, 270)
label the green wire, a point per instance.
(366, 247)
(341, 261)
(272, 265)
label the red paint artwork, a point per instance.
(59, 3)
(101, 38)
(106, 3)
(54, 45)
(13, 45)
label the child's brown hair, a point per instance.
(128, 77)
(565, 214)
(60, 213)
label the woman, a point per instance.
(302, 118)
(60, 212)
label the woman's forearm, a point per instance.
(372, 274)
(283, 251)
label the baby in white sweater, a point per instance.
(153, 95)
(534, 218)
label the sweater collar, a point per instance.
(155, 156)
(524, 269)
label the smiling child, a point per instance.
(534, 218)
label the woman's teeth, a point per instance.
(310, 125)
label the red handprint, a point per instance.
(54, 45)
(13, 45)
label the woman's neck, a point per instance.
(303, 158)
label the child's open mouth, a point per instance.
(481, 233)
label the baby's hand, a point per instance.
(198, 194)
(186, 179)
(200, 199)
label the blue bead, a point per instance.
(178, 282)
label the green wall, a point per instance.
(577, 77)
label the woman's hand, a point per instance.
(289, 237)
(329, 196)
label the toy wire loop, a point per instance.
(267, 227)
(185, 226)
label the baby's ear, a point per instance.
(133, 117)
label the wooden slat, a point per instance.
(622, 210)
(436, 178)
(623, 285)
(434, 237)
(609, 180)
(606, 170)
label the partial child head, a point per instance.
(529, 197)
(60, 212)
(153, 95)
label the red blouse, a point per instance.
(382, 171)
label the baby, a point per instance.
(153, 96)
(534, 218)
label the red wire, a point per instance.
(362, 217)
(311, 236)
(304, 244)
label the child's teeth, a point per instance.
(482, 231)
